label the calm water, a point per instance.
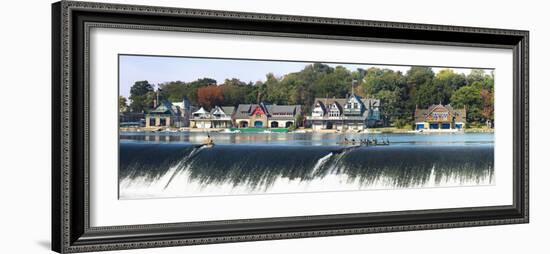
(316, 139)
(173, 165)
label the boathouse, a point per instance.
(164, 115)
(218, 117)
(352, 113)
(131, 119)
(266, 115)
(440, 118)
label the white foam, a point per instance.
(182, 185)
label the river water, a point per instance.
(157, 165)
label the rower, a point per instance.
(209, 140)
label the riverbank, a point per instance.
(407, 130)
(384, 130)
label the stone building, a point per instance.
(266, 116)
(169, 114)
(164, 115)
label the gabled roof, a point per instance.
(243, 110)
(274, 111)
(321, 105)
(356, 97)
(326, 103)
(421, 115)
(229, 110)
(284, 111)
(258, 107)
(337, 104)
(217, 109)
(165, 107)
(226, 110)
(340, 102)
(201, 111)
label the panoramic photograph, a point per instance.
(197, 126)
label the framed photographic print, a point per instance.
(181, 126)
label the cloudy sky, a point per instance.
(160, 69)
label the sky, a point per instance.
(160, 69)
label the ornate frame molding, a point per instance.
(71, 22)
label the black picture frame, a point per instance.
(71, 231)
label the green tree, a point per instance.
(391, 88)
(470, 98)
(480, 76)
(377, 80)
(389, 109)
(441, 88)
(140, 96)
(476, 75)
(477, 96)
(399, 92)
(122, 104)
(336, 83)
(235, 92)
(419, 80)
(175, 91)
(273, 91)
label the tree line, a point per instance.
(400, 93)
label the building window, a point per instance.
(152, 121)
(162, 122)
(440, 116)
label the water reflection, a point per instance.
(305, 138)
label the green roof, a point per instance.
(164, 108)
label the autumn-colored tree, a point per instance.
(400, 93)
(210, 96)
(488, 107)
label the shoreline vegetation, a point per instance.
(400, 93)
(379, 130)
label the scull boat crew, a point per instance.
(209, 141)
